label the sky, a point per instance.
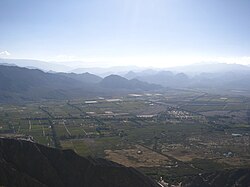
(157, 33)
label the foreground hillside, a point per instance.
(24, 163)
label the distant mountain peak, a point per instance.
(118, 82)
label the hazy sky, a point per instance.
(123, 32)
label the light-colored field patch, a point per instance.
(137, 156)
(180, 152)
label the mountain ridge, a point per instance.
(21, 84)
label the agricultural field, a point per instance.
(170, 134)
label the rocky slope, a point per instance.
(24, 163)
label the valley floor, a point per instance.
(170, 135)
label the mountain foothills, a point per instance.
(19, 161)
(20, 84)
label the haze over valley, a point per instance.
(128, 93)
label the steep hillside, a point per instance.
(26, 164)
(25, 84)
(18, 79)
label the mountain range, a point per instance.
(21, 84)
(27, 84)
(237, 79)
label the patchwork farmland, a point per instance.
(168, 134)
